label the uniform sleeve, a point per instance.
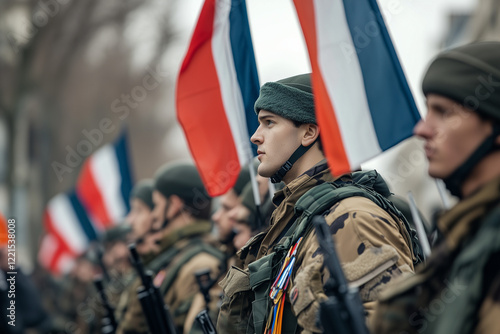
(180, 295)
(489, 312)
(133, 319)
(371, 247)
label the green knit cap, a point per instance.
(291, 98)
(181, 179)
(468, 74)
(143, 190)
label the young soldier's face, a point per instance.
(451, 132)
(139, 217)
(158, 215)
(276, 139)
(239, 215)
(221, 217)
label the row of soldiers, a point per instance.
(273, 277)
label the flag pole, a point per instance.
(419, 225)
(442, 193)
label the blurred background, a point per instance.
(65, 66)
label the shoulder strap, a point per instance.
(195, 247)
(367, 184)
(159, 262)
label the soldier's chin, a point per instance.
(264, 172)
(436, 173)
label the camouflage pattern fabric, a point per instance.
(458, 290)
(179, 297)
(372, 244)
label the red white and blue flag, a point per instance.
(69, 232)
(216, 90)
(363, 103)
(104, 184)
(100, 200)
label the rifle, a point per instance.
(109, 324)
(157, 314)
(205, 282)
(343, 311)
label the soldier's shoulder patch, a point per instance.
(158, 280)
(294, 294)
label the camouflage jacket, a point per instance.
(175, 269)
(458, 290)
(372, 244)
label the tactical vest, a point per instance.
(194, 247)
(316, 201)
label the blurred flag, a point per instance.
(363, 103)
(69, 232)
(104, 184)
(53, 256)
(216, 89)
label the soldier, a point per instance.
(458, 289)
(245, 216)
(372, 242)
(245, 224)
(140, 219)
(181, 215)
(227, 202)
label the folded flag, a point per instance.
(104, 184)
(216, 89)
(363, 102)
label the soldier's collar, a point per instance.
(192, 229)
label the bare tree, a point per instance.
(65, 66)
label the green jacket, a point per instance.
(373, 246)
(183, 252)
(457, 290)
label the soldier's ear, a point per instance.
(176, 204)
(310, 134)
(497, 141)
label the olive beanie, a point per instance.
(470, 75)
(143, 190)
(181, 179)
(291, 98)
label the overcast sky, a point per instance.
(417, 27)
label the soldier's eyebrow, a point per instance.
(261, 117)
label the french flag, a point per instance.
(69, 232)
(363, 103)
(104, 184)
(216, 89)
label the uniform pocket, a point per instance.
(236, 280)
(236, 306)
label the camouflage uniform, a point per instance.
(176, 283)
(458, 290)
(128, 311)
(373, 245)
(179, 293)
